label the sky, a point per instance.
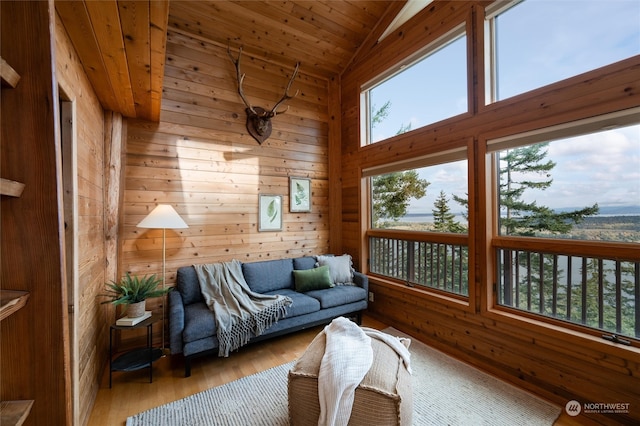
(540, 42)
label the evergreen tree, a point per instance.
(464, 202)
(392, 193)
(443, 218)
(380, 114)
(450, 277)
(601, 282)
(519, 167)
(522, 169)
(404, 128)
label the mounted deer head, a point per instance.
(259, 119)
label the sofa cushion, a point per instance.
(188, 285)
(312, 279)
(198, 322)
(268, 275)
(338, 295)
(341, 268)
(301, 304)
(306, 262)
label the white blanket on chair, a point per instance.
(398, 344)
(348, 356)
(347, 359)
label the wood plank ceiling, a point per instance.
(121, 44)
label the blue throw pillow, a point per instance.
(312, 279)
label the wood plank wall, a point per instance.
(200, 159)
(92, 317)
(558, 365)
(34, 359)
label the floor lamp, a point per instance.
(163, 217)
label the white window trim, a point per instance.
(430, 160)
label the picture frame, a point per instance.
(299, 194)
(269, 213)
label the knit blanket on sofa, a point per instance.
(239, 312)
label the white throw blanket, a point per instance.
(347, 359)
(239, 312)
(398, 344)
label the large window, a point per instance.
(419, 224)
(538, 42)
(550, 218)
(582, 188)
(432, 198)
(421, 92)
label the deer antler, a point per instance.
(258, 118)
(240, 78)
(286, 95)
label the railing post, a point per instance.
(637, 293)
(507, 287)
(411, 262)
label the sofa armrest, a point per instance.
(361, 280)
(176, 321)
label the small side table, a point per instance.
(135, 359)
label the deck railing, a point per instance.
(436, 265)
(597, 292)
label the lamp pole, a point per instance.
(164, 283)
(163, 217)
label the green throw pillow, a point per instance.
(312, 279)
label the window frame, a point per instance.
(488, 42)
(480, 301)
(441, 42)
(580, 248)
(442, 297)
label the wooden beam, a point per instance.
(77, 23)
(114, 141)
(134, 18)
(105, 20)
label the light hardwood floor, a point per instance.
(132, 393)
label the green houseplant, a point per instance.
(133, 291)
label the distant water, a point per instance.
(605, 211)
(427, 218)
(419, 218)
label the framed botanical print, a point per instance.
(299, 194)
(270, 213)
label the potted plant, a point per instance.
(133, 291)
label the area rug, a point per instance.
(445, 392)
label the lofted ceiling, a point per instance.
(122, 44)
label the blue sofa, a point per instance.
(192, 329)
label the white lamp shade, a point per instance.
(163, 216)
